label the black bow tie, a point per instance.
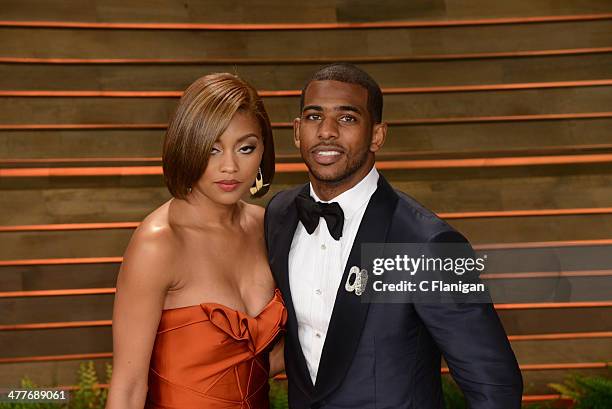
(310, 211)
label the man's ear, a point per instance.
(296, 132)
(379, 134)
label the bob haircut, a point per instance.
(203, 113)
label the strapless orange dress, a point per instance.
(209, 356)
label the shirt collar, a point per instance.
(352, 200)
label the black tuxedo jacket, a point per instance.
(389, 355)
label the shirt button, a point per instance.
(318, 335)
(318, 291)
(323, 246)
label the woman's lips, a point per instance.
(326, 156)
(228, 186)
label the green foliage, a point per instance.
(588, 392)
(453, 397)
(545, 405)
(592, 392)
(278, 395)
(26, 383)
(88, 396)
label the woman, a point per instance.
(196, 311)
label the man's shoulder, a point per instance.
(423, 224)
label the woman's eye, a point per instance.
(247, 149)
(214, 151)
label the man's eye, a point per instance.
(247, 149)
(348, 118)
(313, 117)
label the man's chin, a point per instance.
(328, 176)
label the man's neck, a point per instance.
(329, 190)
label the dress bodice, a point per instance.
(212, 356)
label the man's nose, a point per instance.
(328, 128)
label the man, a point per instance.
(341, 352)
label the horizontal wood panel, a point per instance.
(109, 243)
(291, 162)
(56, 342)
(79, 43)
(584, 350)
(86, 310)
(555, 320)
(282, 76)
(58, 277)
(131, 199)
(97, 340)
(536, 188)
(515, 287)
(64, 244)
(413, 138)
(94, 203)
(535, 228)
(279, 76)
(270, 11)
(41, 110)
(566, 273)
(557, 289)
(56, 309)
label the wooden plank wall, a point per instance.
(500, 120)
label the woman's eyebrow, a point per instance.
(249, 135)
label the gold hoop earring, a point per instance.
(259, 183)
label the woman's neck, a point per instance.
(199, 211)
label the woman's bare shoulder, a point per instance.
(155, 230)
(152, 248)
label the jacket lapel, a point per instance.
(282, 236)
(349, 313)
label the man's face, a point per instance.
(335, 132)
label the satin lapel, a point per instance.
(282, 236)
(349, 313)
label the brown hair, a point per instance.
(204, 112)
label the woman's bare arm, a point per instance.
(142, 284)
(277, 357)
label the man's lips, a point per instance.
(228, 185)
(326, 155)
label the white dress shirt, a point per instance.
(316, 265)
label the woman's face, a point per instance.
(234, 160)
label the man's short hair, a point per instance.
(345, 72)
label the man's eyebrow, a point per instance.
(312, 108)
(351, 108)
(318, 108)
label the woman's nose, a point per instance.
(229, 163)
